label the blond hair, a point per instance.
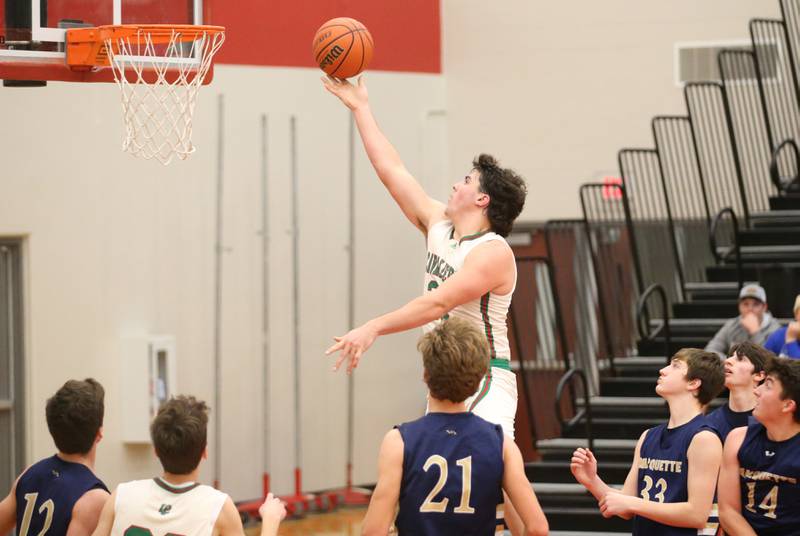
(455, 356)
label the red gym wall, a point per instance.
(407, 33)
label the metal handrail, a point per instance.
(712, 237)
(585, 412)
(774, 173)
(641, 313)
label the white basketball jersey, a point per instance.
(155, 507)
(445, 257)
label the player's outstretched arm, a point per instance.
(106, 517)
(86, 512)
(704, 457)
(8, 511)
(412, 199)
(382, 505)
(519, 490)
(729, 488)
(485, 269)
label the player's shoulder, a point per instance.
(735, 438)
(393, 436)
(737, 434)
(493, 252)
(703, 439)
(91, 501)
(438, 226)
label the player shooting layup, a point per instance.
(470, 270)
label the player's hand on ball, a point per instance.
(615, 504)
(352, 346)
(353, 96)
(583, 466)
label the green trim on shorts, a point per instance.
(504, 364)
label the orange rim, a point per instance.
(86, 47)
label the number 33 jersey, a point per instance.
(156, 508)
(452, 476)
(664, 475)
(768, 476)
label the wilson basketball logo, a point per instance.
(331, 56)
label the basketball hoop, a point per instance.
(159, 70)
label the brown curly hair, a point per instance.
(455, 356)
(506, 190)
(179, 434)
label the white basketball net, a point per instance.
(159, 85)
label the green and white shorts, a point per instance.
(496, 398)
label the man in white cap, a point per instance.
(754, 323)
(785, 342)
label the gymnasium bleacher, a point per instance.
(655, 265)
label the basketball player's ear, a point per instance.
(482, 200)
(99, 435)
(205, 453)
(760, 377)
(789, 406)
(694, 385)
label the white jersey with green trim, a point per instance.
(155, 507)
(446, 256)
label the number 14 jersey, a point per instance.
(768, 475)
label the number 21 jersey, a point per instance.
(452, 476)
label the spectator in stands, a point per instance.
(784, 341)
(754, 323)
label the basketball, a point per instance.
(342, 47)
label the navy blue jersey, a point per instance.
(768, 476)
(664, 472)
(723, 419)
(452, 475)
(47, 492)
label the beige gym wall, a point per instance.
(555, 89)
(119, 247)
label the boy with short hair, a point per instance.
(758, 484)
(447, 470)
(175, 503)
(744, 371)
(61, 495)
(670, 488)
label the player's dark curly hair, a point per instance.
(506, 192)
